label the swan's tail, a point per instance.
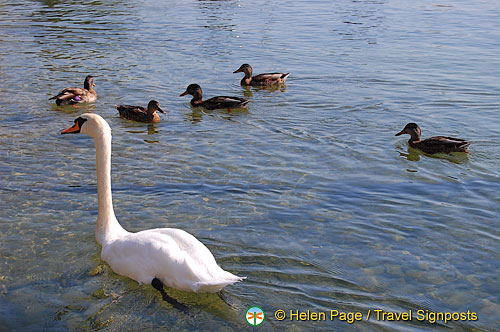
(214, 286)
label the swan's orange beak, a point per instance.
(73, 129)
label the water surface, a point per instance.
(308, 193)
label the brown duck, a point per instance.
(436, 144)
(71, 96)
(265, 79)
(141, 114)
(214, 102)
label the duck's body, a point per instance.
(436, 144)
(172, 256)
(214, 102)
(141, 114)
(221, 102)
(265, 79)
(72, 96)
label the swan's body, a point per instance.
(71, 96)
(171, 255)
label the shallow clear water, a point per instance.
(308, 193)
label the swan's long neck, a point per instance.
(108, 227)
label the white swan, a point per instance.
(172, 256)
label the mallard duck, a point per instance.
(139, 113)
(71, 96)
(434, 144)
(261, 79)
(215, 102)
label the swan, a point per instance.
(160, 256)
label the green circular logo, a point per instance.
(255, 316)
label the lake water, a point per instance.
(308, 193)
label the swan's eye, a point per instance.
(80, 121)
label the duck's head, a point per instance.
(244, 68)
(153, 106)
(411, 129)
(89, 82)
(89, 124)
(193, 90)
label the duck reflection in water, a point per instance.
(415, 154)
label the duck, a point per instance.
(436, 144)
(265, 79)
(141, 114)
(158, 256)
(72, 96)
(214, 102)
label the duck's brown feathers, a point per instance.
(441, 144)
(222, 102)
(265, 79)
(139, 113)
(436, 144)
(71, 96)
(214, 102)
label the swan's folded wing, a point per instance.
(176, 257)
(142, 256)
(209, 276)
(187, 243)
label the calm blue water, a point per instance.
(308, 193)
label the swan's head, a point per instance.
(90, 124)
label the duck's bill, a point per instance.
(161, 111)
(400, 133)
(74, 129)
(237, 71)
(183, 94)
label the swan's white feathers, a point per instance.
(172, 255)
